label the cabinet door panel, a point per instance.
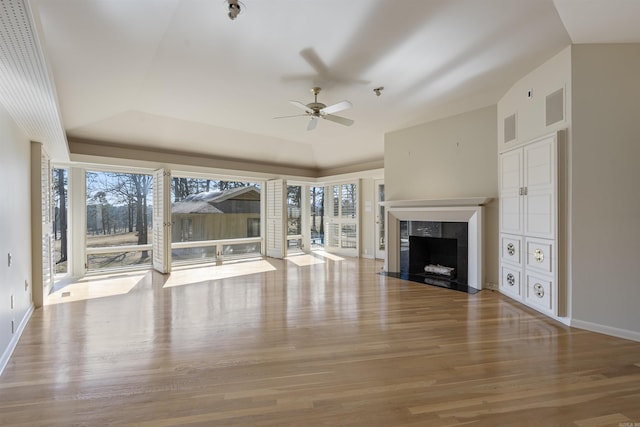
(539, 180)
(539, 160)
(511, 249)
(510, 281)
(538, 215)
(511, 172)
(511, 202)
(540, 255)
(511, 214)
(539, 292)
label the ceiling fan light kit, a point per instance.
(316, 110)
(234, 9)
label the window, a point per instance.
(342, 234)
(294, 218)
(205, 213)
(316, 195)
(119, 212)
(294, 209)
(186, 230)
(60, 183)
(253, 227)
(349, 200)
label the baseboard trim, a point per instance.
(491, 286)
(4, 360)
(607, 330)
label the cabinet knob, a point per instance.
(511, 279)
(538, 255)
(511, 249)
(538, 290)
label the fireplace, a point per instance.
(435, 249)
(436, 233)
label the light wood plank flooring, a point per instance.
(310, 341)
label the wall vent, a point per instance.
(510, 128)
(554, 107)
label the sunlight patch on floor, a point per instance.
(95, 287)
(332, 257)
(217, 272)
(304, 260)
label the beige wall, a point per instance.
(449, 158)
(527, 100)
(602, 201)
(15, 232)
(605, 228)
(530, 110)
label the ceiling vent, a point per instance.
(26, 89)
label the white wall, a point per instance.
(15, 233)
(449, 158)
(605, 225)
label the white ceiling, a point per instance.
(180, 75)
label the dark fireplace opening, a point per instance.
(433, 256)
(435, 253)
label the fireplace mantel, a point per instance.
(467, 210)
(466, 201)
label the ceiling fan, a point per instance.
(317, 110)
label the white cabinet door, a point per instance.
(528, 224)
(540, 192)
(511, 183)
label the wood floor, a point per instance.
(311, 341)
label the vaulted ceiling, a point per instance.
(179, 75)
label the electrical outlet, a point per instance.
(9, 259)
(13, 327)
(12, 303)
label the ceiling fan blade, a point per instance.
(312, 123)
(338, 119)
(342, 105)
(300, 105)
(295, 115)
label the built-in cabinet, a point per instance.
(530, 185)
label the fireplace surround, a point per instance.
(465, 210)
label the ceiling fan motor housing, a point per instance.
(317, 110)
(316, 107)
